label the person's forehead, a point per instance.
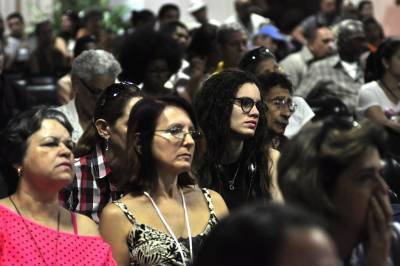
(324, 32)
(13, 20)
(236, 35)
(173, 114)
(277, 91)
(328, 2)
(181, 30)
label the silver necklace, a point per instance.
(179, 245)
(31, 235)
(232, 181)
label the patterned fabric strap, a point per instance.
(125, 210)
(206, 194)
(210, 204)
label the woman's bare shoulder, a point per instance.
(86, 226)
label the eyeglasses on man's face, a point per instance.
(247, 103)
(94, 91)
(178, 133)
(281, 103)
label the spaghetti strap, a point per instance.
(209, 201)
(125, 210)
(74, 224)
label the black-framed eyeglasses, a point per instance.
(247, 103)
(280, 103)
(179, 133)
(94, 91)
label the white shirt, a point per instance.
(69, 110)
(299, 118)
(350, 68)
(256, 22)
(371, 94)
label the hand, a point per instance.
(197, 67)
(377, 247)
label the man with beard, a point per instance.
(344, 70)
(327, 16)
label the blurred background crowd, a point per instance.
(144, 124)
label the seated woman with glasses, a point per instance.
(231, 113)
(277, 90)
(165, 216)
(261, 61)
(333, 169)
(34, 228)
(99, 151)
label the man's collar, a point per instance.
(306, 53)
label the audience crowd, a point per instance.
(236, 142)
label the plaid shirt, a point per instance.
(91, 189)
(339, 81)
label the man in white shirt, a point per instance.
(17, 46)
(249, 21)
(92, 71)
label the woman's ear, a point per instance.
(103, 128)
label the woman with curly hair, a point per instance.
(231, 113)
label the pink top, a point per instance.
(18, 248)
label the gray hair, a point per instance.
(225, 30)
(92, 63)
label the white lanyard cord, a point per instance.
(169, 228)
(189, 231)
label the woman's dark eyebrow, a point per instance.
(56, 139)
(369, 170)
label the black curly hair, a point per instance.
(213, 108)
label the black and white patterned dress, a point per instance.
(150, 247)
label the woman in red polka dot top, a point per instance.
(34, 228)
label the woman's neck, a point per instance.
(36, 205)
(167, 186)
(233, 151)
(391, 85)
